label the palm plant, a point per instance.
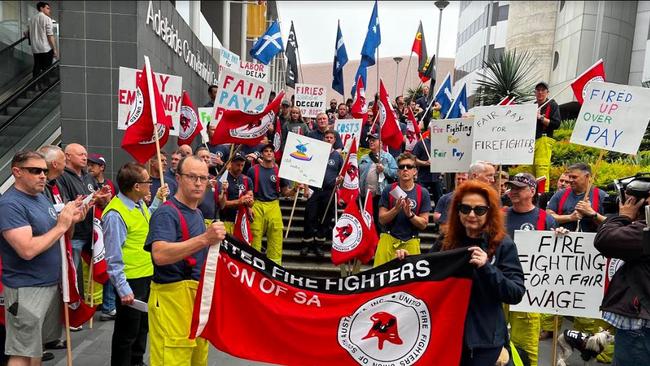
(511, 74)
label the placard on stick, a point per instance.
(255, 70)
(171, 90)
(451, 144)
(564, 275)
(613, 117)
(238, 91)
(310, 99)
(505, 134)
(348, 128)
(304, 160)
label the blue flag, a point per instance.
(269, 45)
(459, 107)
(340, 59)
(373, 40)
(444, 96)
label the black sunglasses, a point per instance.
(35, 170)
(405, 166)
(146, 181)
(478, 210)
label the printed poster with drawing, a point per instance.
(451, 144)
(171, 90)
(613, 117)
(304, 160)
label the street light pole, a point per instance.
(397, 61)
(440, 5)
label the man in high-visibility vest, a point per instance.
(178, 240)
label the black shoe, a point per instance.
(47, 356)
(140, 364)
(304, 251)
(57, 344)
(319, 252)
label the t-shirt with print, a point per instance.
(165, 225)
(235, 186)
(267, 188)
(526, 221)
(20, 209)
(587, 224)
(334, 165)
(442, 207)
(401, 227)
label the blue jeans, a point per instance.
(108, 297)
(77, 246)
(632, 347)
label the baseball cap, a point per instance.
(270, 144)
(542, 84)
(286, 102)
(238, 156)
(372, 136)
(97, 159)
(523, 180)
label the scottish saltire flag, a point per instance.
(269, 45)
(373, 40)
(444, 96)
(340, 59)
(459, 106)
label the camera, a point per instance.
(637, 186)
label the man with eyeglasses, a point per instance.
(403, 211)
(178, 241)
(548, 120)
(267, 217)
(125, 224)
(524, 215)
(31, 259)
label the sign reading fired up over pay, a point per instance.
(613, 117)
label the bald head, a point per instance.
(185, 150)
(76, 157)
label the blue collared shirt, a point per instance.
(624, 322)
(114, 237)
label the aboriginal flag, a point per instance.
(403, 312)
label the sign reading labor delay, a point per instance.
(171, 89)
(613, 117)
(505, 134)
(304, 160)
(255, 70)
(240, 92)
(564, 274)
(310, 99)
(451, 144)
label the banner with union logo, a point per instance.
(401, 313)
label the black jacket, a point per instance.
(629, 290)
(553, 116)
(500, 281)
(73, 185)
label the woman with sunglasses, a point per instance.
(476, 222)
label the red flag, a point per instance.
(100, 267)
(242, 228)
(239, 127)
(420, 49)
(190, 124)
(359, 107)
(139, 138)
(368, 219)
(80, 312)
(541, 185)
(350, 235)
(412, 130)
(349, 190)
(408, 312)
(596, 73)
(277, 139)
(391, 134)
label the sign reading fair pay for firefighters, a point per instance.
(305, 160)
(564, 274)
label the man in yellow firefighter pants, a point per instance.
(239, 191)
(267, 217)
(178, 241)
(548, 120)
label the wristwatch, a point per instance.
(594, 216)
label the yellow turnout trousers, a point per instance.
(588, 325)
(542, 159)
(170, 317)
(267, 219)
(389, 244)
(524, 333)
(230, 226)
(98, 288)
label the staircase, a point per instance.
(311, 265)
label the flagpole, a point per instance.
(65, 296)
(91, 283)
(329, 202)
(295, 200)
(152, 104)
(407, 73)
(553, 97)
(68, 341)
(302, 77)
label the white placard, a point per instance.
(451, 144)
(348, 128)
(255, 70)
(505, 134)
(564, 275)
(311, 99)
(304, 160)
(170, 87)
(613, 117)
(237, 91)
(228, 60)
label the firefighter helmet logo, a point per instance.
(389, 329)
(347, 233)
(595, 79)
(189, 121)
(136, 108)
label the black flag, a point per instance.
(429, 72)
(292, 63)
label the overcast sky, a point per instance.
(315, 25)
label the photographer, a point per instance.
(626, 304)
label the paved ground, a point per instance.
(91, 347)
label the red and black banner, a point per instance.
(401, 313)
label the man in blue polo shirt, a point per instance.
(239, 192)
(31, 259)
(178, 241)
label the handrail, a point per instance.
(23, 89)
(14, 44)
